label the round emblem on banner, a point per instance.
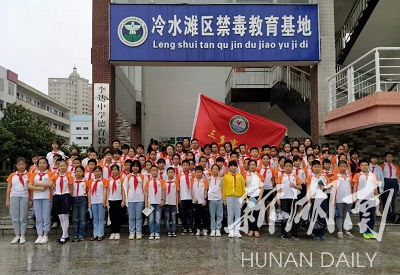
(239, 124)
(132, 31)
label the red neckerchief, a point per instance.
(135, 181)
(169, 186)
(187, 179)
(94, 188)
(265, 171)
(41, 175)
(77, 187)
(21, 179)
(155, 186)
(114, 185)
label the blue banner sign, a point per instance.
(214, 33)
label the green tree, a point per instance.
(30, 134)
(7, 142)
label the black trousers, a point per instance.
(187, 214)
(288, 205)
(115, 216)
(255, 213)
(200, 216)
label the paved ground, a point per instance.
(201, 255)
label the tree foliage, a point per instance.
(30, 135)
(7, 141)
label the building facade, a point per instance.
(8, 88)
(74, 91)
(45, 108)
(338, 110)
(81, 131)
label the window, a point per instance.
(78, 128)
(85, 128)
(86, 138)
(78, 138)
(1, 85)
(11, 87)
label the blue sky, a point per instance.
(45, 38)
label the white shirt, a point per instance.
(117, 194)
(268, 177)
(287, 191)
(50, 156)
(366, 185)
(98, 196)
(184, 187)
(253, 184)
(386, 171)
(17, 188)
(300, 173)
(65, 183)
(215, 189)
(47, 193)
(316, 192)
(170, 197)
(199, 185)
(153, 197)
(134, 195)
(82, 188)
(343, 189)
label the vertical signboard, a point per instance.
(101, 116)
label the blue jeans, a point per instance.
(42, 209)
(99, 213)
(135, 217)
(155, 219)
(79, 208)
(170, 215)
(234, 208)
(216, 213)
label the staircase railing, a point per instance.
(351, 22)
(378, 70)
(294, 78)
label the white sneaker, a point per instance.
(131, 236)
(231, 234)
(157, 236)
(212, 234)
(151, 237)
(38, 240)
(198, 232)
(237, 234)
(54, 225)
(15, 240)
(112, 237)
(44, 240)
(217, 233)
(22, 240)
(138, 236)
(204, 232)
(117, 236)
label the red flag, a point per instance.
(217, 122)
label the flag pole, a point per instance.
(195, 115)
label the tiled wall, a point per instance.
(377, 140)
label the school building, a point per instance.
(346, 95)
(81, 131)
(39, 105)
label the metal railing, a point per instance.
(378, 70)
(351, 22)
(294, 78)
